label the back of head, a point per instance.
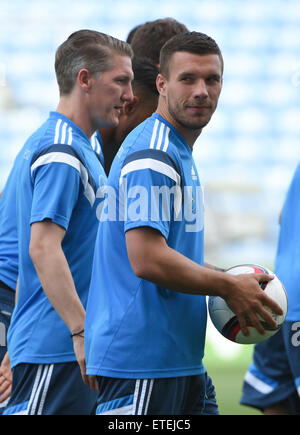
(151, 36)
(190, 42)
(87, 49)
(131, 33)
(145, 73)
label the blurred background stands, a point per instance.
(247, 154)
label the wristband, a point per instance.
(77, 334)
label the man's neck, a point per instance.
(107, 135)
(189, 135)
(69, 107)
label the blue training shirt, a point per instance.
(97, 145)
(135, 329)
(57, 175)
(8, 222)
(287, 265)
(9, 233)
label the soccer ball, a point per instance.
(226, 321)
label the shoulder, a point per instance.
(150, 146)
(153, 134)
(58, 141)
(153, 139)
(156, 160)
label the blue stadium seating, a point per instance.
(246, 156)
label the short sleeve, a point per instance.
(150, 184)
(55, 193)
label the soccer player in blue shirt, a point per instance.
(58, 173)
(272, 382)
(146, 313)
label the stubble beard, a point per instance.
(186, 122)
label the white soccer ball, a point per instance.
(226, 321)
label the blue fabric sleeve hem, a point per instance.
(55, 218)
(140, 224)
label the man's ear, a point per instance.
(131, 106)
(84, 79)
(161, 84)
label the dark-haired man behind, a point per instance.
(146, 312)
(131, 33)
(146, 40)
(143, 104)
(149, 38)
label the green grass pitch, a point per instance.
(226, 364)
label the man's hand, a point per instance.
(248, 301)
(152, 259)
(78, 343)
(5, 378)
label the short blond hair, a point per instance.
(86, 49)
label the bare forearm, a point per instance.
(152, 259)
(168, 268)
(176, 272)
(57, 282)
(211, 266)
(17, 291)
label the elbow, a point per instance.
(36, 251)
(33, 252)
(139, 269)
(145, 269)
